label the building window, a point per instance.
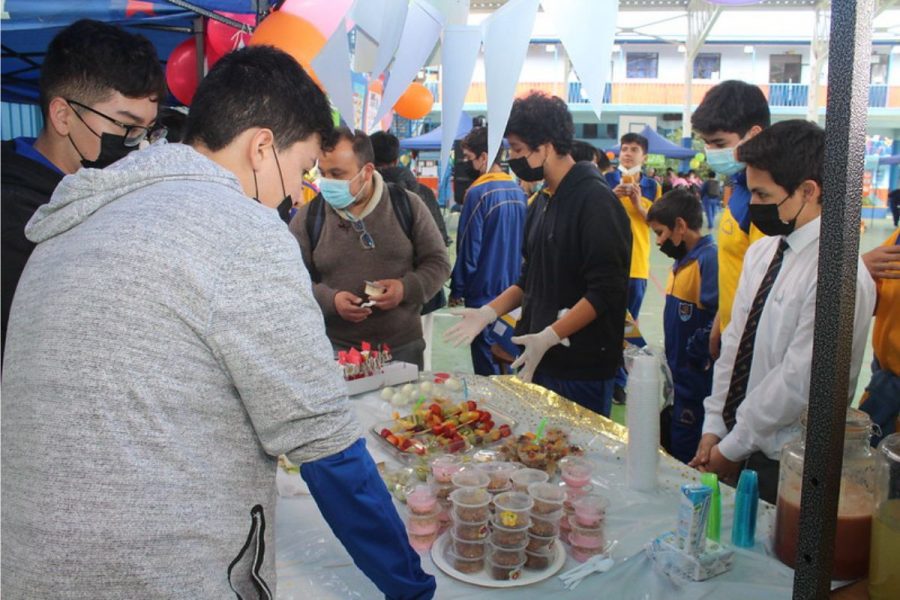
(641, 65)
(879, 72)
(707, 66)
(785, 68)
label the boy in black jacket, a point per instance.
(577, 255)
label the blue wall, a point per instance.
(17, 120)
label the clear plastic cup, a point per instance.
(576, 471)
(511, 509)
(548, 498)
(499, 473)
(504, 555)
(462, 564)
(590, 511)
(470, 477)
(504, 572)
(471, 504)
(421, 542)
(421, 501)
(582, 554)
(471, 532)
(540, 560)
(586, 538)
(537, 543)
(522, 478)
(468, 548)
(508, 538)
(424, 524)
(443, 467)
(546, 525)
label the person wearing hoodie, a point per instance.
(183, 351)
(489, 239)
(100, 88)
(574, 278)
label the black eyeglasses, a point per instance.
(365, 239)
(134, 134)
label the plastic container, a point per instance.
(884, 576)
(537, 543)
(470, 477)
(468, 548)
(855, 504)
(471, 532)
(443, 467)
(440, 490)
(424, 524)
(502, 572)
(573, 494)
(503, 555)
(540, 560)
(576, 471)
(590, 510)
(582, 554)
(508, 538)
(548, 498)
(421, 501)
(462, 564)
(546, 525)
(587, 538)
(499, 473)
(511, 509)
(421, 542)
(522, 478)
(470, 504)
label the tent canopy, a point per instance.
(660, 145)
(889, 160)
(31, 25)
(432, 139)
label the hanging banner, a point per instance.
(332, 66)
(461, 46)
(506, 36)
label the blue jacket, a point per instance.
(692, 299)
(649, 186)
(489, 239)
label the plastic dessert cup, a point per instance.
(540, 543)
(470, 531)
(590, 511)
(422, 500)
(582, 554)
(421, 542)
(508, 538)
(424, 524)
(538, 561)
(511, 509)
(444, 467)
(505, 556)
(470, 477)
(499, 473)
(468, 549)
(586, 538)
(548, 498)
(576, 471)
(522, 478)
(572, 494)
(502, 572)
(470, 504)
(462, 564)
(546, 525)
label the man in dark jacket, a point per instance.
(100, 88)
(577, 255)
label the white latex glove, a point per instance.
(473, 322)
(536, 345)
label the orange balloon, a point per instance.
(292, 34)
(610, 155)
(415, 103)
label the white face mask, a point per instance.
(632, 171)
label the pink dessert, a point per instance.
(424, 526)
(422, 500)
(590, 511)
(444, 467)
(576, 471)
(584, 541)
(421, 542)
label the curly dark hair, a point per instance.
(539, 119)
(231, 100)
(791, 152)
(732, 106)
(680, 202)
(88, 61)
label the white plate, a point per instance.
(484, 579)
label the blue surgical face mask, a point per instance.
(337, 192)
(722, 160)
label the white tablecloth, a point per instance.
(312, 564)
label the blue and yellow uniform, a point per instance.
(736, 233)
(488, 252)
(882, 397)
(692, 300)
(640, 238)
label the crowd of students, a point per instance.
(165, 336)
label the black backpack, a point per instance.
(315, 220)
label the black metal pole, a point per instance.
(848, 95)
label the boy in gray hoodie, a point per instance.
(164, 346)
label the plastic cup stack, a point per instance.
(423, 523)
(576, 475)
(443, 468)
(509, 534)
(586, 527)
(546, 515)
(644, 392)
(469, 529)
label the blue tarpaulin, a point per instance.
(29, 25)
(432, 139)
(660, 145)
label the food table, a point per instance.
(311, 563)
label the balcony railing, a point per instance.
(794, 95)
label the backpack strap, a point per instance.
(315, 220)
(402, 208)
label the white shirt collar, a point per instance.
(801, 238)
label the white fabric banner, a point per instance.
(461, 46)
(332, 66)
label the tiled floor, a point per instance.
(447, 358)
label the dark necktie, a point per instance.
(740, 374)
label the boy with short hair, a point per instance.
(730, 114)
(761, 381)
(692, 299)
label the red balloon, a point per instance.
(181, 71)
(212, 56)
(222, 39)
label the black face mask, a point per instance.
(766, 219)
(467, 169)
(524, 171)
(112, 148)
(284, 207)
(672, 251)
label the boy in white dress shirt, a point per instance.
(762, 378)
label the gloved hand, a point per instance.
(536, 345)
(473, 322)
